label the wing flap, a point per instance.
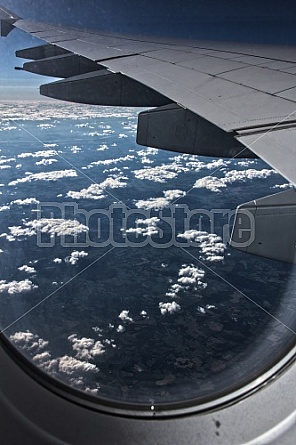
(277, 148)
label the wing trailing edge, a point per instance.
(7, 20)
(266, 227)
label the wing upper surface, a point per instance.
(246, 90)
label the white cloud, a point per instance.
(5, 160)
(113, 183)
(74, 257)
(216, 184)
(160, 203)
(8, 128)
(96, 191)
(211, 183)
(45, 126)
(57, 260)
(245, 163)
(27, 269)
(86, 348)
(45, 161)
(152, 204)
(212, 248)
(16, 287)
(103, 147)
(251, 173)
(124, 316)
(75, 149)
(169, 308)
(189, 277)
(120, 329)
(70, 365)
(149, 151)
(287, 185)
(172, 195)
(114, 161)
(157, 174)
(39, 154)
(149, 227)
(28, 341)
(3, 208)
(73, 368)
(217, 164)
(46, 176)
(25, 202)
(201, 310)
(51, 226)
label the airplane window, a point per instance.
(116, 275)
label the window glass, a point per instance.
(116, 276)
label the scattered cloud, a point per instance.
(96, 191)
(16, 287)
(57, 260)
(102, 147)
(169, 308)
(144, 227)
(212, 248)
(45, 161)
(216, 184)
(25, 202)
(45, 176)
(70, 365)
(120, 329)
(86, 348)
(45, 126)
(190, 277)
(285, 186)
(28, 341)
(39, 154)
(51, 226)
(161, 202)
(157, 174)
(114, 161)
(74, 257)
(211, 183)
(27, 269)
(124, 316)
(75, 149)
(3, 208)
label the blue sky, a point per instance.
(203, 19)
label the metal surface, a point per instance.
(60, 420)
(174, 128)
(66, 65)
(266, 227)
(262, 79)
(103, 88)
(277, 148)
(183, 71)
(40, 52)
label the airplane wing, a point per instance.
(211, 98)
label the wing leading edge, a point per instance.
(211, 98)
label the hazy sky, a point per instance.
(204, 19)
